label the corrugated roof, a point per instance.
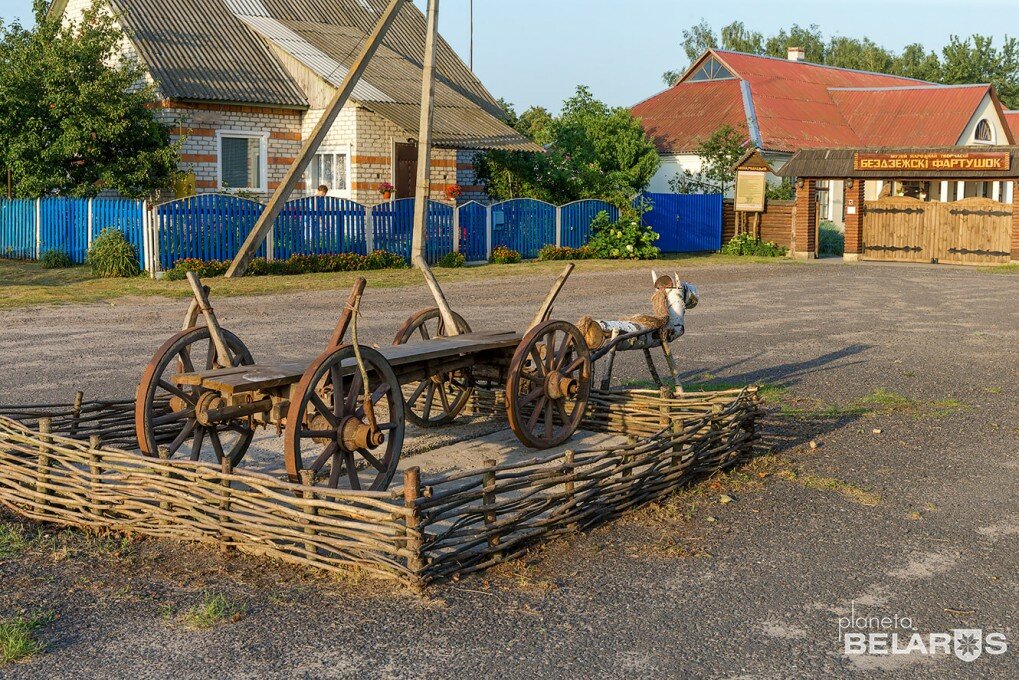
(219, 51)
(832, 163)
(682, 117)
(914, 116)
(1012, 120)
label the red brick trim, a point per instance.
(370, 160)
(230, 108)
(193, 132)
(805, 221)
(205, 184)
(199, 158)
(281, 160)
(1015, 222)
(854, 219)
(290, 136)
(465, 166)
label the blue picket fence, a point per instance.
(17, 229)
(523, 224)
(320, 225)
(393, 227)
(685, 223)
(576, 218)
(474, 231)
(207, 227)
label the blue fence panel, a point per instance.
(17, 229)
(577, 217)
(64, 226)
(207, 226)
(320, 225)
(473, 231)
(686, 223)
(393, 228)
(125, 215)
(523, 224)
(439, 228)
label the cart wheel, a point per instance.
(439, 399)
(327, 423)
(165, 413)
(548, 385)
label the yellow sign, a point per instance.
(934, 161)
(750, 189)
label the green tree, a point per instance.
(977, 60)
(592, 151)
(916, 61)
(719, 154)
(76, 116)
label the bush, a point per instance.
(296, 264)
(453, 260)
(112, 256)
(626, 239)
(747, 245)
(56, 259)
(831, 242)
(551, 252)
(504, 255)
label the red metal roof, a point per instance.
(1012, 120)
(796, 107)
(922, 116)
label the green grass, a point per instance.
(1002, 269)
(12, 539)
(27, 283)
(17, 637)
(214, 609)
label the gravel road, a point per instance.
(750, 588)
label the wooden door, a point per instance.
(894, 229)
(406, 168)
(983, 231)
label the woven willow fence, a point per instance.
(429, 529)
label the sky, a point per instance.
(536, 52)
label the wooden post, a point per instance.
(665, 394)
(318, 133)
(424, 178)
(568, 486)
(164, 457)
(79, 396)
(347, 314)
(42, 477)
(95, 472)
(411, 493)
(224, 505)
(667, 350)
(488, 500)
(202, 298)
(546, 307)
(308, 482)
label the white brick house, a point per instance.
(244, 81)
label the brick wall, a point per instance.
(805, 232)
(854, 218)
(1015, 223)
(776, 222)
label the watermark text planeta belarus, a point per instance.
(888, 635)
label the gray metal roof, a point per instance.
(219, 51)
(838, 163)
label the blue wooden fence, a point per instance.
(686, 223)
(523, 224)
(575, 220)
(17, 229)
(125, 215)
(474, 231)
(393, 227)
(320, 225)
(207, 227)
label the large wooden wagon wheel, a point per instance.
(328, 422)
(438, 399)
(170, 414)
(548, 384)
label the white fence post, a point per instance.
(38, 228)
(456, 228)
(369, 229)
(153, 228)
(488, 232)
(146, 239)
(270, 243)
(89, 224)
(558, 225)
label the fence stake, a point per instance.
(411, 493)
(164, 457)
(456, 228)
(146, 239)
(308, 482)
(488, 500)
(568, 470)
(558, 225)
(38, 228)
(95, 472)
(91, 222)
(270, 243)
(224, 505)
(42, 479)
(153, 222)
(76, 411)
(488, 232)
(369, 229)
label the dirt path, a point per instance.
(920, 519)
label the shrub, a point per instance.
(747, 245)
(551, 252)
(56, 259)
(296, 264)
(453, 260)
(112, 256)
(626, 239)
(504, 255)
(831, 241)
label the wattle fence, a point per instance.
(213, 226)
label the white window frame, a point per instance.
(312, 187)
(263, 152)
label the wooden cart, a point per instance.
(343, 414)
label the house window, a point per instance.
(822, 190)
(984, 132)
(242, 161)
(711, 70)
(329, 169)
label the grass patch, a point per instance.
(12, 539)
(27, 283)
(214, 609)
(1001, 269)
(822, 483)
(17, 637)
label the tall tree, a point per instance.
(977, 60)
(76, 116)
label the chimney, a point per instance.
(796, 54)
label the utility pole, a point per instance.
(470, 37)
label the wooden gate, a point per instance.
(971, 231)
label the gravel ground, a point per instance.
(908, 509)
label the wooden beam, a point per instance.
(546, 307)
(296, 171)
(424, 180)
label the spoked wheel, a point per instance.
(330, 430)
(166, 413)
(548, 385)
(439, 399)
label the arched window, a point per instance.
(711, 70)
(984, 132)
